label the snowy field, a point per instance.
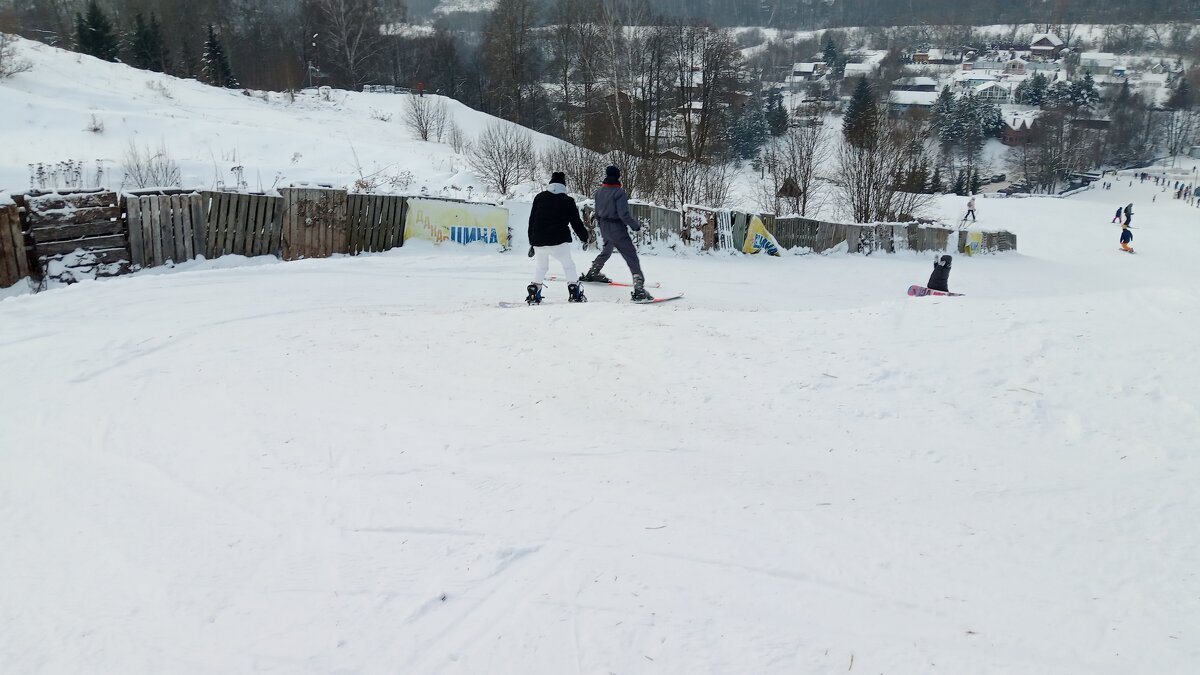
(363, 465)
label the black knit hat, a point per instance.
(612, 174)
(558, 177)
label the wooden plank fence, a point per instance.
(375, 222)
(14, 259)
(61, 224)
(242, 224)
(314, 223)
(165, 228)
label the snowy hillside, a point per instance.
(366, 465)
(49, 111)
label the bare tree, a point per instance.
(799, 153)
(351, 37)
(868, 178)
(584, 168)
(10, 63)
(150, 167)
(503, 156)
(426, 116)
(457, 138)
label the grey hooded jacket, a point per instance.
(612, 207)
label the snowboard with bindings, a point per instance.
(920, 292)
(607, 283)
(654, 301)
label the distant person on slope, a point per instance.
(1126, 238)
(1117, 217)
(615, 220)
(553, 216)
(1129, 214)
(940, 279)
(971, 210)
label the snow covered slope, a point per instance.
(364, 465)
(46, 114)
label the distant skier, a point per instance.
(553, 216)
(1128, 214)
(1117, 217)
(940, 279)
(971, 210)
(1126, 238)
(615, 220)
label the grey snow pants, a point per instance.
(616, 235)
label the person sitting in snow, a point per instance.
(553, 216)
(940, 279)
(1126, 238)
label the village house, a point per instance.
(994, 92)
(1045, 45)
(1015, 66)
(923, 84)
(1018, 128)
(858, 70)
(901, 102)
(1097, 63)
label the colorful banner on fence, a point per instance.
(438, 221)
(974, 242)
(759, 239)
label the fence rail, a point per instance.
(165, 228)
(14, 259)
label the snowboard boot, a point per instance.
(639, 289)
(534, 294)
(593, 275)
(575, 293)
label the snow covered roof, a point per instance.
(990, 85)
(859, 69)
(913, 97)
(1097, 59)
(1019, 121)
(915, 82)
(807, 67)
(1053, 39)
(974, 76)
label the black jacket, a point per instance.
(940, 279)
(552, 218)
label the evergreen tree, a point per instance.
(777, 115)
(960, 183)
(832, 57)
(1058, 96)
(943, 119)
(1182, 98)
(935, 184)
(187, 60)
(95, 35)
(1083, 93)
(215, 66)
(137, 43)
(1035, 94)
(160, 56)
(976, 182)
(861, 120)
(750, 129)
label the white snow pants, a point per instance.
(561, 253)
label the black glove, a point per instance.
(530, 251)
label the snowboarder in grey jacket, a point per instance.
(615, 221)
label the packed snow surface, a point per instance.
(364, 465)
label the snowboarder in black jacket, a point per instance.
(940, 279)
(553, 216)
